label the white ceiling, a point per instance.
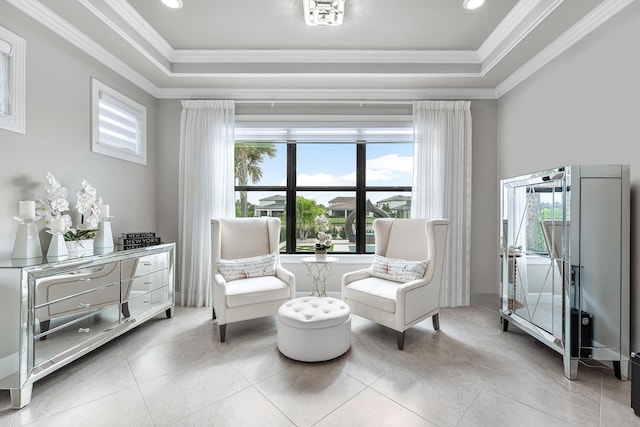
(262, 49)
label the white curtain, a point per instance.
(442, 186)
(206, 191)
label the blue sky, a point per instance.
(335, 164)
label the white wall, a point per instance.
(484, 200)
(582, 108)
(57, 138)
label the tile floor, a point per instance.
(175, 372)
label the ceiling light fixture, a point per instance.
(472, 4)
(173, 4)
(323, 12)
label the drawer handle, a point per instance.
(84, 305)
(84, 330)
(148, 264)
(148, 283)
(85, 279)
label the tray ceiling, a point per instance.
(385, 49)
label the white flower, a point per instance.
(60, 205)
(323, 238)
(88, 205)
(54, 203)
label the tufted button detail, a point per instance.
(314, 312)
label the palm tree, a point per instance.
(248, 158)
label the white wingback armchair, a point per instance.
(246, 251)
(399, 290)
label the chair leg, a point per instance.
(214, 313)
(436, 321)
(223, 332)
(400, 338)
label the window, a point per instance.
(118, 124)
(348, 175)
(12, 78)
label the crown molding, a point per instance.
(55, 23)
(577, 32)
(325, 56)
(45, 16)
(327, 94)
(136, 21)
(124, 35)
(524, 13)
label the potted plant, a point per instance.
(54, 204)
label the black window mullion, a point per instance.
(291, 199)
(361, 198)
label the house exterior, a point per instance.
(271, 206)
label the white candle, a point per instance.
(57, 225)
(104, 211)
(27, 209)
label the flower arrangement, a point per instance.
(323, 239)
(55, 203)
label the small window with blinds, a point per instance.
(118, 124)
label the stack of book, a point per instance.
(138, 240)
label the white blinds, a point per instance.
(313, 133)
(119, 124)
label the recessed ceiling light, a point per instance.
(173, 4)
(472, 4)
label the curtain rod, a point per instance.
(322, 101)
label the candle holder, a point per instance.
(104, 237)
(57, 247)
(27, 243)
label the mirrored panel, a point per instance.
(534, 234)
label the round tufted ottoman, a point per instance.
(312, 329)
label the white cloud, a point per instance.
(386, 168)
(325, 179)
(381, 169)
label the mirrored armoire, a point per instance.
(564, 262)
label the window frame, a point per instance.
(291, 189)
(14, 121)
(98, 89)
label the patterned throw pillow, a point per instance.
(398, 270)
(244, 268)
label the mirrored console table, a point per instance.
(55, 311)
(564, 258)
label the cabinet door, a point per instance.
(600, 261)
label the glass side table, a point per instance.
(319, 270)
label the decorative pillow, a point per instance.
(244, 268)
(398, 270)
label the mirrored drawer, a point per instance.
(145, 283)
(79, 301)
(68, 333)
(50, 289)
(140, 302)
(145, 265)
